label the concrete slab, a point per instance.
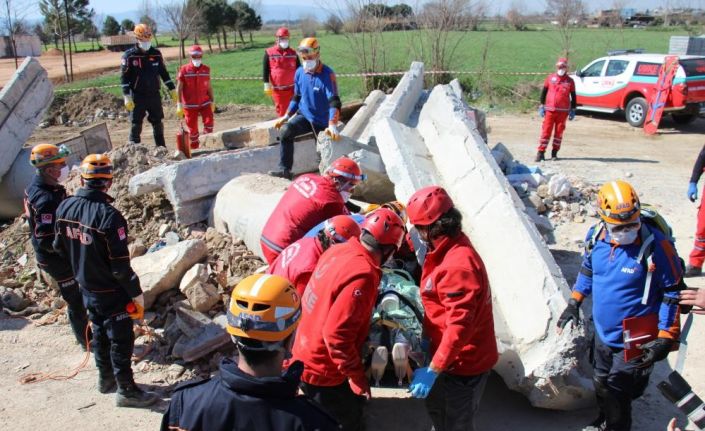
(259, 134)
(534, 360)
(212, 337)
(357, 124)
(23, 101)
(191, 185)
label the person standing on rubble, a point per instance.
(316, 102)
(252, 393)
(558, 102)
(309, 200)
(42, 198)
(297, 262)
(457, 300)
(278, 70)
(92, 235)
(633, 272)
(195, 95)
(142, 67)
(337, 306)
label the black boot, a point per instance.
(540, 156)
(135, 132)
(692, 271)
(158, 130)
(554, 154)
(130, 395)
(282, 173)
(106, 382)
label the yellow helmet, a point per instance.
(264, 307)
(398, 207)
(618, 203)
(48, 154)
(142, 32)
(309, 46)
(97, 167)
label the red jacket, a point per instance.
(195, 82)
(297, 262)
(282, 66)
(309, 200)
(559, 89)
(458, 304)
(337, 307)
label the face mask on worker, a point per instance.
(196, 62)
(283, 43)
(309, 65)
(625, 236)
(145, 45)
(560, 72)
(63, 175)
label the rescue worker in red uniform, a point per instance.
(309, 200)
(337, 307)
(278, 69)
(297, 262)
(457, 301)
(557, 105)
(251, 393)
(195, 95)
(697, 255)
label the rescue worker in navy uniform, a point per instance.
(42, 197)
(252, 393)
(142, 67)
(92, 235)
(627, 279)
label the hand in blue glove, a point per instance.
(423, 381)
(692, 192)
(571, 114)
(542, 111)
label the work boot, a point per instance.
(554, 154)
(379, 362)
(540, 156)
(130, 395)
(106, 383)
(693, 271)
(282, 173)
(400, 357)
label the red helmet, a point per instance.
(562, 62)
(428, 205)
(341, 228)
(195, 51)
(385, 226)
(283, 32)
(346, 168)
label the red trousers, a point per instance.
(191, 117)
(553, 122)
(281, 100)
(697, 256)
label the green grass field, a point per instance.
(508, 51)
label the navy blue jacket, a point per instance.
(237, 401)
(141, 71)
(92, 234)
(41, 201)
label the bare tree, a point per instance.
(147, 16)
(13, 14)
(515, 16)
(183, 17)
(567, 13)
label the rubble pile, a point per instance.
(82, 108)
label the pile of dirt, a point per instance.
(83, 107)
(53, 52)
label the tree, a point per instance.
(146, 14)
(213, 22)
(110, 26)
(183, 17)
(38, 30)
(566, 13)
(13, 24)
(333, 24)
(127, 25)
(247, 19)
(402, 10)
(51, 10)
(515, 19)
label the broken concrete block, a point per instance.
(163, 269)
(377, 187)
(477, 116)
(357, 124)
(212, 337)
(136, 248)
(262, 194)
(191, 185)
(190, 322)
(23, 100)
(260, 134)
(534, 359)
(201, 295)
(197, 274)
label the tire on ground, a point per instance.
(635, 112)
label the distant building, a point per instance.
(26, 45)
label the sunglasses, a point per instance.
(622, 227)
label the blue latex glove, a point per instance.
(542, 111)
(692, 192)
(571, 114)
(423, 381)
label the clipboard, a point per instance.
(637, 331)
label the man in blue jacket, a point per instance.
(316, 101)
(631, 269)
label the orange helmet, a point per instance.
(309, 46)
(97, 167)
(195, 51)
(398, 208)
(142, 32)
(618, 203)
(385, 227)
(341, 228)
(48, 154)
(428, 204)
(282, 32)
(264, 307)
(347, 169)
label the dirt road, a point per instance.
(594, 149)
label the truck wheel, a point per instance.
(636, 111)
(683, 118)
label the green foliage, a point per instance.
(127, 25)
(110, 26)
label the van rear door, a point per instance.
(694, 69)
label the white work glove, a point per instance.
(129, 103)
(332, 131)
(268, 89)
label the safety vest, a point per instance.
(559, 91)
(282, 66)
(194, 85)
